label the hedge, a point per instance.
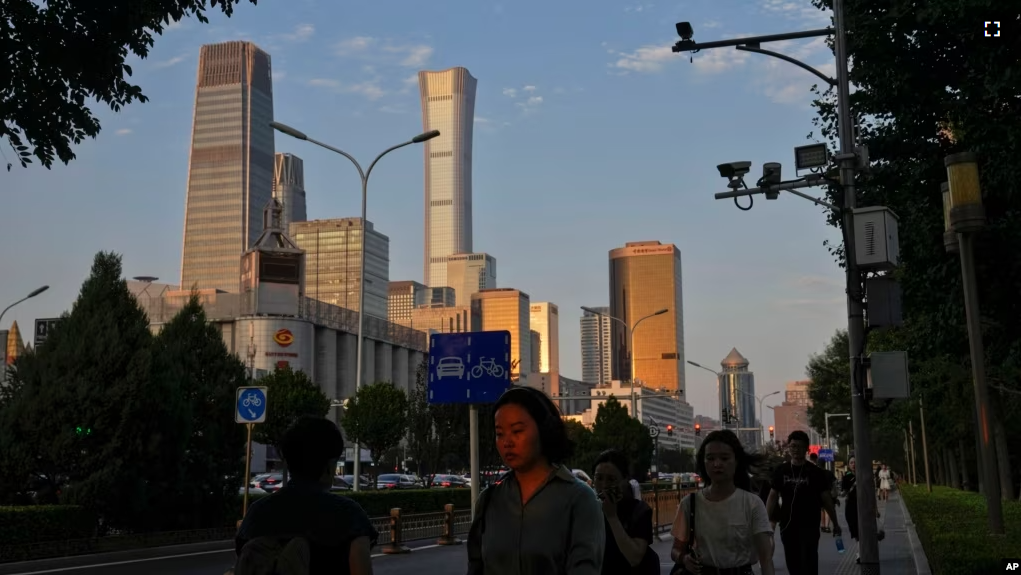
(953, 527)
(37, 523)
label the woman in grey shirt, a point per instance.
(538, 519)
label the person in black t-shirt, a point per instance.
(628, 520)
(802, 490)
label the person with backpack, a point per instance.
(628, 520)
(303, 529)
(723, 529)
(538, 519)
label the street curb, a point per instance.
(115, 556)
(917, 552)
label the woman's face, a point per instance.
(517, 437)
(720, 461)
(851, 464)
(608, 478)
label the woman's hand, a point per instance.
(692, 564)
(609, 503)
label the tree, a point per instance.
(377, 417)
(423, 441)
(615, 428)
(677, 461)
(830, 390)
(61, 54)
(585, 452)
(95, 424)
(290, 394)
(191, 355)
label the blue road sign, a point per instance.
(471, 367)
(825, 455)
(251, 405)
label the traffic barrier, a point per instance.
(448, 537)
(396, 530)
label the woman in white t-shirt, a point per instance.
(731, 529)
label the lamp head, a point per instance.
(284, 128)
(425, 137)
(38, 291)
(661, 311)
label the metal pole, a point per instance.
(914, 468)
(830, 466)
(925, 447)
(473, 444)
(361, 319)
(867, 528)
(631, 357)
(248, 470)
(988, 456)
(602, 362)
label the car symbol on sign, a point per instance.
(450, 367)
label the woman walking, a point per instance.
(628, 520)
(537, 518)
(847, 485)
(723, 529)
(884, 483)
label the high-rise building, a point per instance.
(447, 319)
(441, 296)
(792, 414)
(230, 170)
(737, 397)
(448, 105)
(507, 308)
(596, 351)
(332, 252)
(403, 297)
(469, 273)
(289, 188)
(645, 278)
(544, 319)
(534, 350)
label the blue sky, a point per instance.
(589, 133)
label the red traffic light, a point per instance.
(771, 429)
(697, 426)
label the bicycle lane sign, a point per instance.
(470, 367)
(251, 405)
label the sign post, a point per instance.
(472, 368)
(250, 408)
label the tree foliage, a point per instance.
(59, 55)
(377, 418)
(614, 428)
(290, 394)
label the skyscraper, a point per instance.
(230, 170)
(737, 396)
(645, 277)
(596, 355)
(289, 187)
(507, 308)
(544, 319)
(469, 273)
(448, 105)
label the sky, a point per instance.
(589, 133)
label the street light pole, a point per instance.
(829, 444)
(364, 175)
(31, 295)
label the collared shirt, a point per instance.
(559, 531)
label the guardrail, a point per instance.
(445, 526)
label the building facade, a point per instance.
(737, 397)
(544, 319)
(402, 297)
(448, 105)
(469, 273)
(289, 187)
(509, 309)
(655, 408)
(230, 169)
(596, 351)
(645, 278)
(792, 414)
(332, 252)
(442, 296)
(439, 318)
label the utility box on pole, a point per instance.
(883, 308)
(888, 375)
(876, 243)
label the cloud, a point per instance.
(510, 92)
(174, 25)
(802, 12)
(123, 131)
(369, 89)
(530, 105)
(529, 89)
(817, 282)
(394, 110)
(646, 59)
(324, 82)
(171, 62)
(638, 7)
(710, 24)
(381, 51)
(301, 33)
(279, 75)
(482, 120)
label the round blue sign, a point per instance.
(251, 407)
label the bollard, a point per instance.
(448, 537)
(396, 527)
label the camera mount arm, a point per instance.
(809, 181)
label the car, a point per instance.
(395, 481)
(448, 481)
(450, 367)
(270, 482)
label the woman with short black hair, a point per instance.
(628, 520)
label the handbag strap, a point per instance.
(691, 520)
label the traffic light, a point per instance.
(771, 433)
(698, 429)
(670, 431)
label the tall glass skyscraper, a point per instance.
(596, 355)
(230, 171)
(289, 187)
(448, 105)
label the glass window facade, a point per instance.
(289, 187)
(508, 309)
(230, 174)
(593, 328)
(469, 273)
(402, 298)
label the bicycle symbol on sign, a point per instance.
(251, 400)
(489, 366)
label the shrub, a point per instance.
(379, 503)
(953, 527)
(38, 523)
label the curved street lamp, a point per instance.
(31, 295)
(364, 175)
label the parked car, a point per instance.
(448, 481)
(269, 482)
(340, 484)
(395, 481)
(365, 483)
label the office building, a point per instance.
(737, 397)
(645, 278)
(448, 105)
(792, 414)
(596, 350)
(544, 319)
(655, 408)
(402, 297)
(439, 318)
(332, 252)
(508, 309)
(442, 296)
(469, 273)
(230, 170)
(289, 188)
(534, 350)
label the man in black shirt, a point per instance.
(803, 490)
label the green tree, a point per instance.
(97, 426)
(59, 55)
(830, 390)
(614, 427)
(677, 461)
(190, 355)
(423, 441)
(585, 452)
(377, 418)
(290, 394)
